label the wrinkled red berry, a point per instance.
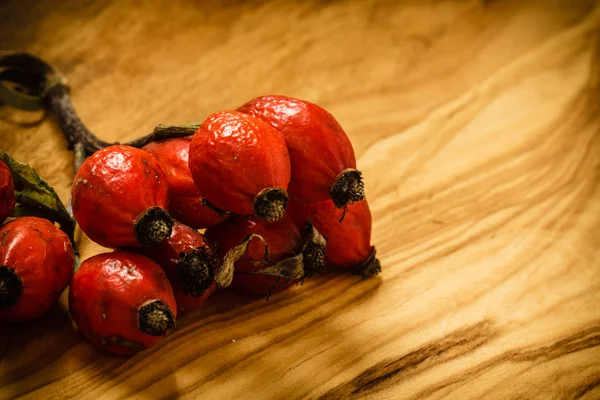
(283, 239)
(185, 202)
(7, 192)
(190, 264)
(122, 302)
(120, 196)
(321, 155)
(348, 242)
(241, 164)
(36, 265)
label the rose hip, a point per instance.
(7, 192)
(185, 202)
(190, 264)
(36, 265)
(119, 198)
(280, 269)
(241, 164)
(321, 155)
(122, 302)
(348, 242)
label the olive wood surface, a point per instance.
(476, 125)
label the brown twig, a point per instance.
(58, 101)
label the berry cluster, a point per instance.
(273, 184)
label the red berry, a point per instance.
(36, 265)
(240, 164)
(122, 302)
(119, 198)
(7, 192)
(190, 264)
(348, 242)
(283, 239)
(185, 201)
(321, 155)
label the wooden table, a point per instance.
(476, 125)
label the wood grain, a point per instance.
(477, 127)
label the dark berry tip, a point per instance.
(270, 204)
(155, 318)
(314, 251)
(314, 259)
(371, 266)
(153, 226)
(11, 287)
(195, 271)
(347, 188)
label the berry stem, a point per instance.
(58, 101)
(35, 84)
(162, 132)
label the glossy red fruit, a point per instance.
(185, 201)
(322, 158)
(7, 192)
(36, 265)
(122, 302)
(348, 242)
(283, 238)
(120, 197)
(241, 164)
(190, 264)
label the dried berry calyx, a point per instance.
(11, 287)
(270, 204)
(195, 271)
(155, 318)
(313, 251)
(347, 188)
(235, 254)
(153, 226)
(371, 266)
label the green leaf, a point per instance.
(36, 197)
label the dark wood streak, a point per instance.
(587, 388)
(576, 342)
(393, 371)
(307, 359)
